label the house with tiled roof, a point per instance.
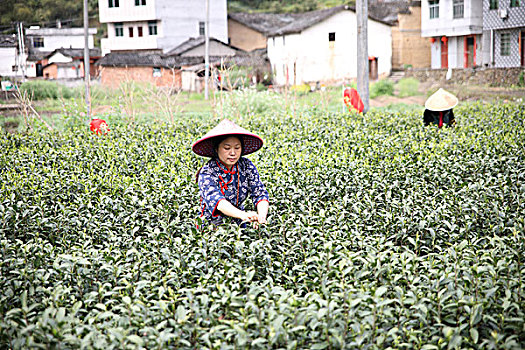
(65, 63)
(182, 68)
(321, 46)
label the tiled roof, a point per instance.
(192, 43)
(272, 24)
(123, 59)
(8, 40)
(95, 52)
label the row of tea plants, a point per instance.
(382, 234)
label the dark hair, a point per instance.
(217, 141)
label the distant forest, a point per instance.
(70, 12)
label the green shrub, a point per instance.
(41, 89)
(521, 79)
(408, 87)
(382, 87)
(302, 89)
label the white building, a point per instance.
(322, 46)
(455, 29)
(159, 24)
(9, 60)
(43, 41)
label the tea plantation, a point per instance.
(382, 234)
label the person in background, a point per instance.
(438, 109)
(227, 179)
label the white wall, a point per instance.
(317, 59)
(447, 25)
(59, 58)
(55, 38)
(7, 61)
(178, 20)
(127, 11)
(125, 42)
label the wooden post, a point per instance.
(207, 50)
(362, 52)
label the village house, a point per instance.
(409, 49)
(504, 33)
(159, 25)
(321, 46)
(43, 41)
(182, 68)
(69, 63)
(454, 28)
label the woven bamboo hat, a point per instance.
(441, 100)
(205, 145)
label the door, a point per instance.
(39, 70)
(469, 52)
(522, 48)
(372, 68)
(444, 52)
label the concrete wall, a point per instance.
(112, 76)
(56, 38)
(177, 21)
(447, 25)
(310, 57)
(7, 61)
(245, 38)
(479, 76)
(408, 47)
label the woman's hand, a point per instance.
(249, 216)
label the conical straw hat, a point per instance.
(205, 147)
(441, 100)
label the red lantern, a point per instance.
(444, 39)
(432, 40)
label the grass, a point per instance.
(408, 87)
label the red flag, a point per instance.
(352, 99)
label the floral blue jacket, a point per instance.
(217, 183)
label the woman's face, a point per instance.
(229, 151)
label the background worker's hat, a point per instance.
(205, 146)
(441, 100)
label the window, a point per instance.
(433, 6)
(130, 29)
(331, 36)
(157, 72)
(38, 42)
(113, 3)
(152, 28)
(140, 2)
(505, 44)
(493, 4)
(515, 3)
(202, 28)
(119, 29)
(458, 8)
(139, 31)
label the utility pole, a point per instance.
(86, 60)
(207, 50)
(22, 47)
(362, 51)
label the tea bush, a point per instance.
(381, 87)
(382, 234)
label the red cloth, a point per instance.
(440, 119)
(99, 126)
(352, 98)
